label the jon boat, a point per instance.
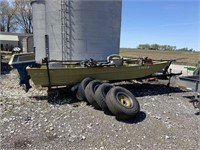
(69, 74)
(62, 73)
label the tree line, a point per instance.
(16, 16)
(161, 47)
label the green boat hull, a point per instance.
(71, 74)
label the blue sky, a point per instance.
(167, 22)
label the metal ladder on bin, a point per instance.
(66, 29)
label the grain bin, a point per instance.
(39, 25)
(76, 29)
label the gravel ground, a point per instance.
(30, 121)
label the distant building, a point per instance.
(10, 40)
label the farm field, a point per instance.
(190, 58)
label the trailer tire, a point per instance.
(100, 95)
(122, 103)
(80, 94)
(90, 93)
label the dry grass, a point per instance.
(190, 58)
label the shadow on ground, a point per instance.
(59, 97)
(147, 89)
(65, 96)
(139, 117)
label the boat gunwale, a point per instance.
(75, 66)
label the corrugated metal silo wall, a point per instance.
(82, 29)
(53, 28)
(39, 28)
(95, 28)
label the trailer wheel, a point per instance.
(90, 92)
(122, 103)
(100, 95)
(80, 94)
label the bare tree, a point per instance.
(7, 12)
(23, 15)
